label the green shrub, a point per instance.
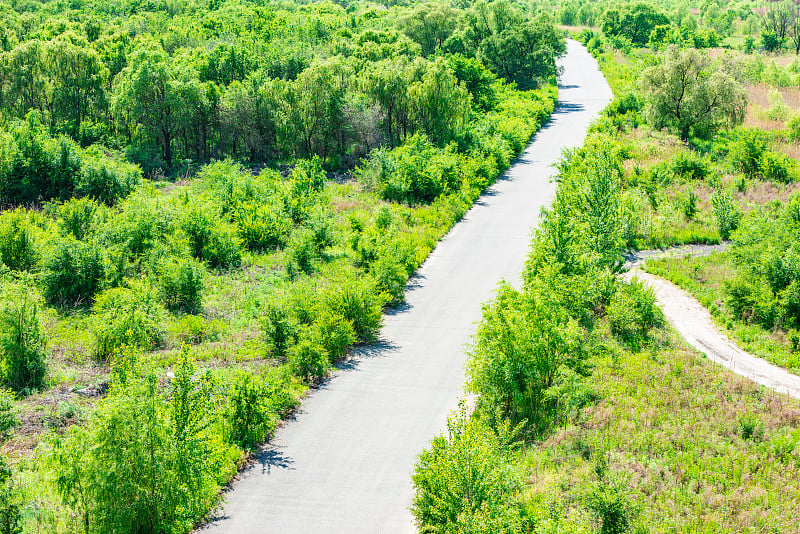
(280, 328)
(610, 504)
(79, 217)
(751, 300)
(167, 457)
(8, 415)
(521, 347)
(334, 333)
(690, 206)
(104, 179)
(181, 284)
(303, 250)
(391, 278)
(10, 510)
(256, 402)
(197, 329)
(17, 244)
(690, 165)
(632, 313)
(127, 317)
(746, 150)
(461, 474)
(357, 302)
(726, 213)
(74, 271)
(793, 127)
(776, 167)
(21, 342)
(308, 359)
(210, 238)
(262, 227)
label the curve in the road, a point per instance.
(693, 321)
(344, 463)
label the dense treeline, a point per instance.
(263, 83)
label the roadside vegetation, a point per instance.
(592, 414)
(205, 206)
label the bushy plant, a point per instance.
(610, 504)
(308, 359)
(24, 360)
(726, 213)
(334, 333)
(262, 227)
(519, 348)
(79, 217)
(461, 474)
(255, 404)
(776, 167)
(746, 150)
(17, 243)
(74, 271)
(210, 238)
(357, 302)
(690, 165)
(127, 317)
(10, 509)
(167, 457)
(180, 283)
(280, 328)
(303, 250)
(632, 313)
(8, 415)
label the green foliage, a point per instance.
(610, 504)
(181, 284)
(210, 239)
(747, 150)
(127, 317)
(334, 334)
(24, 360)
(18, 249)
(463, 475)
(686, 94)
(80, 217)
(635, 23)
(632, 313)
(357, 302)
(521, 347)
(256, 403)
(166, 456)
(74, 271)
(8, 414)
(308, 359)
(279, 327)
(10, 509)
(726, 213)
(776, 167)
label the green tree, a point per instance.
(430, 24)
(636, 23)
(684, 92)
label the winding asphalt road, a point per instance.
(344, 464)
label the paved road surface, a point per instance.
(692, 321)
(344, 464)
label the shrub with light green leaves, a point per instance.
(632, 313)
(127, 317)
(74, 271)
(22, 343)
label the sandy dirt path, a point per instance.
(693, 321)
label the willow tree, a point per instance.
(687, 94)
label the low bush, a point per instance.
(358, 303)
(18, 249)
(632, 313)
(308, 359)
(776, 167)
(180, 283)
(210, 238)
(334, 333)
(8, 415)
(74, 271)
(746, 150)
(24, 360)
(726, 213)
(262, 227)
(690, 166)
(127, 317)
(280, 328)
(465, 474)
(80, 217)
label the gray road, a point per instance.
(344, 464)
